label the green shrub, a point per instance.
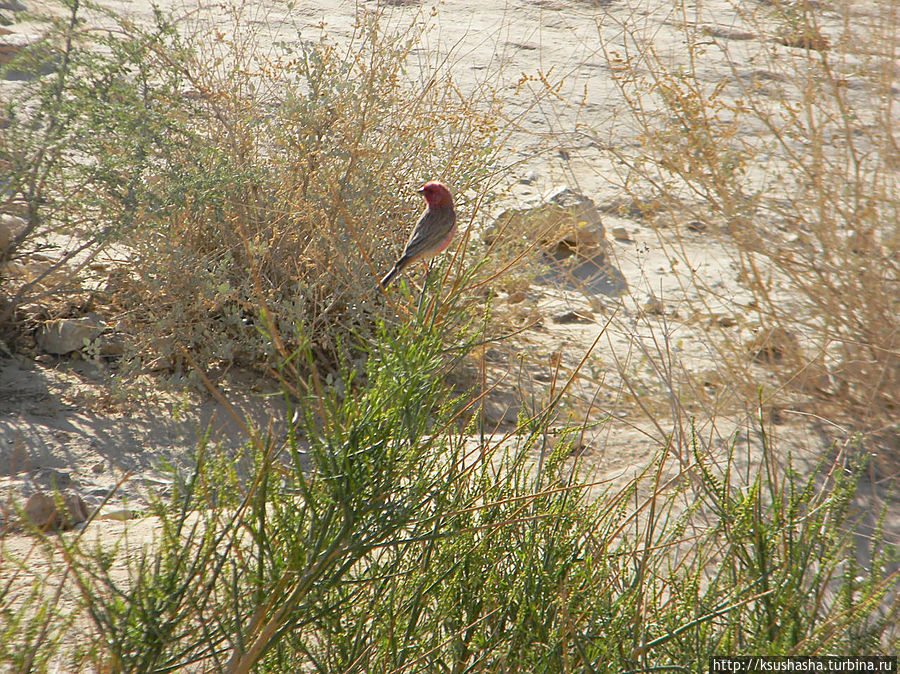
(388, 539)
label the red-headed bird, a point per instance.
(433, 232)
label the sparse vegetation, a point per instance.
(229, 207)
(793, 158)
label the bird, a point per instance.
(433, 232)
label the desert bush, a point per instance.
(49, 235)
(236, 178)
(793, 159)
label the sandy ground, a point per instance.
(62, 414)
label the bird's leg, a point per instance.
(424, 288)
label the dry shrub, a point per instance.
(258, 190)
(287, 183)
(794, 157)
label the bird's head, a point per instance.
(436, 195)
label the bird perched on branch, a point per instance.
(433, 232)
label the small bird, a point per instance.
(433, 232)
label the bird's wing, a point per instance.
(433, 226)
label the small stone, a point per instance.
(112, 345)
(40, 509)
(5, 237)
(95, 493)
(52, 479)
(10, 227)
(76, 508)
(569, 317)
(516, 297)
(65, 335)
(13, 43)
(42, 512)
(494, 355)
(529, 178)
(620, 234)
(119, 514)
(726, 321)
(727, 33)
(772, 346)
(696, 226)
(162, 363)
(654, 305)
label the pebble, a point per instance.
(620, 234)
(654, 305)
(569, 317)
(516, 297)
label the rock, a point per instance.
(97, 494)
(566, 227)
(495, 356)
(41, 59)
(111, 345)
(12, 5)
(567, 222)
(65, 335)
(727, 33)
(516, 296)
(119, 514)
(40, 509)
(578, 204)
(52, 479)
(10, 227)
(12, 44)
(569, 317)
(620, 234)
(775, 345)
(76, 508)
(42, 512)
(654, 305)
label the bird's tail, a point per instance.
(396, 269)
